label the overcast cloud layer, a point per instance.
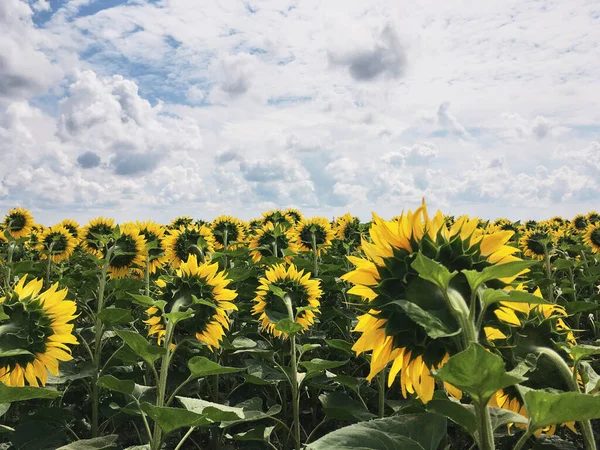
(150, 109)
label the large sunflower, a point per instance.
(201, 289)
(579, 222)
(301, 289)
(129, 252)
(181, 221)
(35, 327)
(57, 243)
(347, 229)
(181, 243)
(270, 240)
(92, 234)
(593, 217)
(72, 227)
(154, 234)
(315, 231)
(228, 231)
(535, 243)
(293, 215)
(18, 222)
(385, 278)
(592, 237)
(276, 217)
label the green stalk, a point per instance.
(11, 249)
(162, 382)
(565, 371)
(381, 380)
(49, 265)
(521, 442)
(294, 377)
(315, 254)
(485, 427)
(225, 236)
(549, 274)
(99, 328)
(147, 276)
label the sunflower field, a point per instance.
(424, 332)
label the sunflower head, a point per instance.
(228, 231)
(129, 252)
(316, 231)
(347, 228)
(154, 235)
(271, 240)
(181, 221)
(72, 227)
(592, 237)
(34, 236)
(566, 238)
(96, 234)
(593, 217)
(35, 333)
(276, 217)
(302, 291)
(202, 290)
(535, 243)
(185, 241)
(18, 222)
(579, 222)
(57, 243)
(293, 215)
(386, 279)
(503, 224)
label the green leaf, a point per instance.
(457, 413)
(403, 432)
(260, 433)
(433, 325)
(433, 271)
(580, 307)
(9, 394)
(288, 326)
(547, 408)
(114, 384)
(243, 342)
(317, 364)
(201, 366)
(4, 407)
(252, 412)
(489, 376)
(340, 406)
(214, 412)
(277, 291)
(491, 296)
(582, 351)
(99, 443)
(340, 344)
(112, 316)
(179, 316)
(169, 419)
(142, 300)
(495, 272)
(141, 346)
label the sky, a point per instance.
(150, 109)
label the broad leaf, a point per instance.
(141, 346)
(477, 372)
(169, 419)
(340, 406)
(317, 364)
(433, 271)
(260, 433)
(214, 412)
(495, 272)
(99, 443)
(288, 326)
(112, 316)
(457, 413)
(9, 394)
(114, 384)
(433, 325)
(201, 366)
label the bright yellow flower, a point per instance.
(18, 222)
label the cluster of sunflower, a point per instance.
(189, 263)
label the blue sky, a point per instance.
(150, 109)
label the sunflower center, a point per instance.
(101, 229)
(126, 251)
(306, 235)
(24, 333)
(16, 221)
(56, 243)
(185, 241)
(534, 243)
(151, 237)
(276, 309)
(595, 237)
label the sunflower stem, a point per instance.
(294, 376)
(549, 274)
(162, 382)
(315, 253)
(147, 276)
(521, 442)
(485, 427)
(565, 371)
(381, 380)
(99, 328)
(11, 249)
(225, 236)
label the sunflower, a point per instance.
(129, 252)
(182, 242)
(36, 328)
(564, 239)
(506, 225)
(96, 230)
(72, 227)
(272, 240)
(227, 230)
(385, 278)
(154, 234)
(301, 289)
(529, 225)
(57, 243)
(535, 243)
(592, 237)
(293, 215)
(316, 231)
(347, 228)
(18, 222)
(181, 221)
(276, 217)
(593, 217)
(34, 236)
(201, 289)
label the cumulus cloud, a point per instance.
(384, 57)
(89, 160)
(448, 121)
(233, 73)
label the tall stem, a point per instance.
(11, 249)
(315, 254)
(147, 276)
(382, 393)
(99, 328)
(162, 382)
(485, 425)
(565, 372)
(225, 236)
(49, 265)
(294, 377)
(549, 274)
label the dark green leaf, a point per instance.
(214, 412)
(169, 419)
(260, 433)
(99, 443)
(141, 346)
(201, 366)
(9, 394)
(317, 364)
(112, 316)
(433, 325)
(340, 406)
(288, 326)
(456, 412)
(433, 271)
(495, 272)
(114, 384)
